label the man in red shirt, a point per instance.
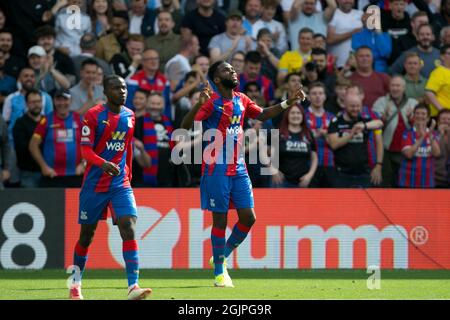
(375, 84)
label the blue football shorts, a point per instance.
(220, 193)
(94, 205)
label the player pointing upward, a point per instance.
(106, 145)
(226, 182)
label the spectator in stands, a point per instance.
(291, 84)
(408, 40)
(141, 159)
(293, 61)
(5, 170)
(58, 135)
(427, 53)
(238, 62)
(303, 14)
(415, 82)
(257, 140)
(150, 79)
(252, 72)
(395, 110)
(310, 74)
(346, 22)
(101, 13)
(170, 6)
(204, 22)
(86, 93)
(201, 64)
(7, 82)
(223, 45)
(445, 36)
(438, 85)
(320, 42)
(253, 91)
(156, 135)
(335, 103)
(88, 44)
(379, 42)
(269, 54)
(253, 10)
(115, 42)
(419, 148)
(375, 84)
(165, 41)
(396, 21)
(13, 63)
(320, 57)
(318, 120)
(140, 22)
(2, 19)
(47, 77)
(67, 36)
(441, 174)
(15, 105)
(177, 67)
(298, 153)
(22, 132)
(276, 28)
(442, 19)
(348, 137)
(126, 63)
(45, 37)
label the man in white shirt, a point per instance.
(177, 67)
(345, 23)
(304, 14)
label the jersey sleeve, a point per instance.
(434, 82)
(88, 129)
(333, 128)
(41, 129)
(205, 111)
(252, 110)
(407, 140)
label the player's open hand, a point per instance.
(299, 95)
(111, 168)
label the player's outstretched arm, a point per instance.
(273, 111)
(188, 119)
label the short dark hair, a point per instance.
(263, 32)
(253, 57)
(362, 48)
(108, 79)
(317, 84)
(305, 30)
(289, 75)
(444, 48)
(213, 68)
(190, 74)
(441, 112)
(319, 35)
(424, 25)
(318, 51)
(250, 84)
(418, 14)
(30, 92)
(143, 91)
(423, 106)
(45, 30)
(121, 14)
(89, 61)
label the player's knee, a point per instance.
(86, 239)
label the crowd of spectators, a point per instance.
(377, 75)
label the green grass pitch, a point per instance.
(249, 284)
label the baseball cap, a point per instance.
(37, 50)
(62, 93)
(234, 13)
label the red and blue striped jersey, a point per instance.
(313, 122)
(60, 142)
(226, 118)
(110, 136)
(417, 172)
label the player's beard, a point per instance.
(229, 84)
